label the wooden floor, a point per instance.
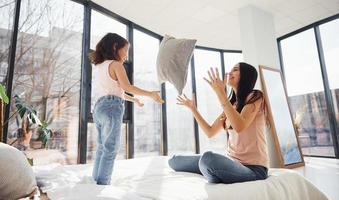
(323, 173)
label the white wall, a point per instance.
(258, 40)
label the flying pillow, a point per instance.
(172, 61)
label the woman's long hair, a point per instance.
(248, 78)
(107, 48)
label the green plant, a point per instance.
(44, 133)
(30, 161)
(28, 114)
(3, 99)
(3, 94)
(26, 110)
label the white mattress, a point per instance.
(151, 178)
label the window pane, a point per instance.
(306, 93)
(47, 76)
(102, 24)
(6, 25)
(208, 103)
(232, 59)
(98, 29)
(147, 120)
(92, 138)
(180, 124)
(329, 35)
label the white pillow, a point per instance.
(16, 175)
(173, 59)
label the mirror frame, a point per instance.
(272, 122)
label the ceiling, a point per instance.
(215, 23)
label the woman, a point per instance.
(109, 85)
(243, 117)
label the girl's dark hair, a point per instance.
(248, 78)
(107, 48)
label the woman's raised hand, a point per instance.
(226, 77)
(215, 82)
(183, 100)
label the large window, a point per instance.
(147, 120)
(47, 77)
(306, 93)
(329, 35)
(180, 124)
(6, 25)
(231, 59)
(208, 103)
(99, 28)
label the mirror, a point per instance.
(280, 118)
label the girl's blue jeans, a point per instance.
(107, 115)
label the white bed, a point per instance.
(151, 178)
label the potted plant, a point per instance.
(29, 121)
(29, 118)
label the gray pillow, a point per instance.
(172, 61)
(16, 175)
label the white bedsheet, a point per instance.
(151, 178)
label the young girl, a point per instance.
(109, 85)
(243, 117)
